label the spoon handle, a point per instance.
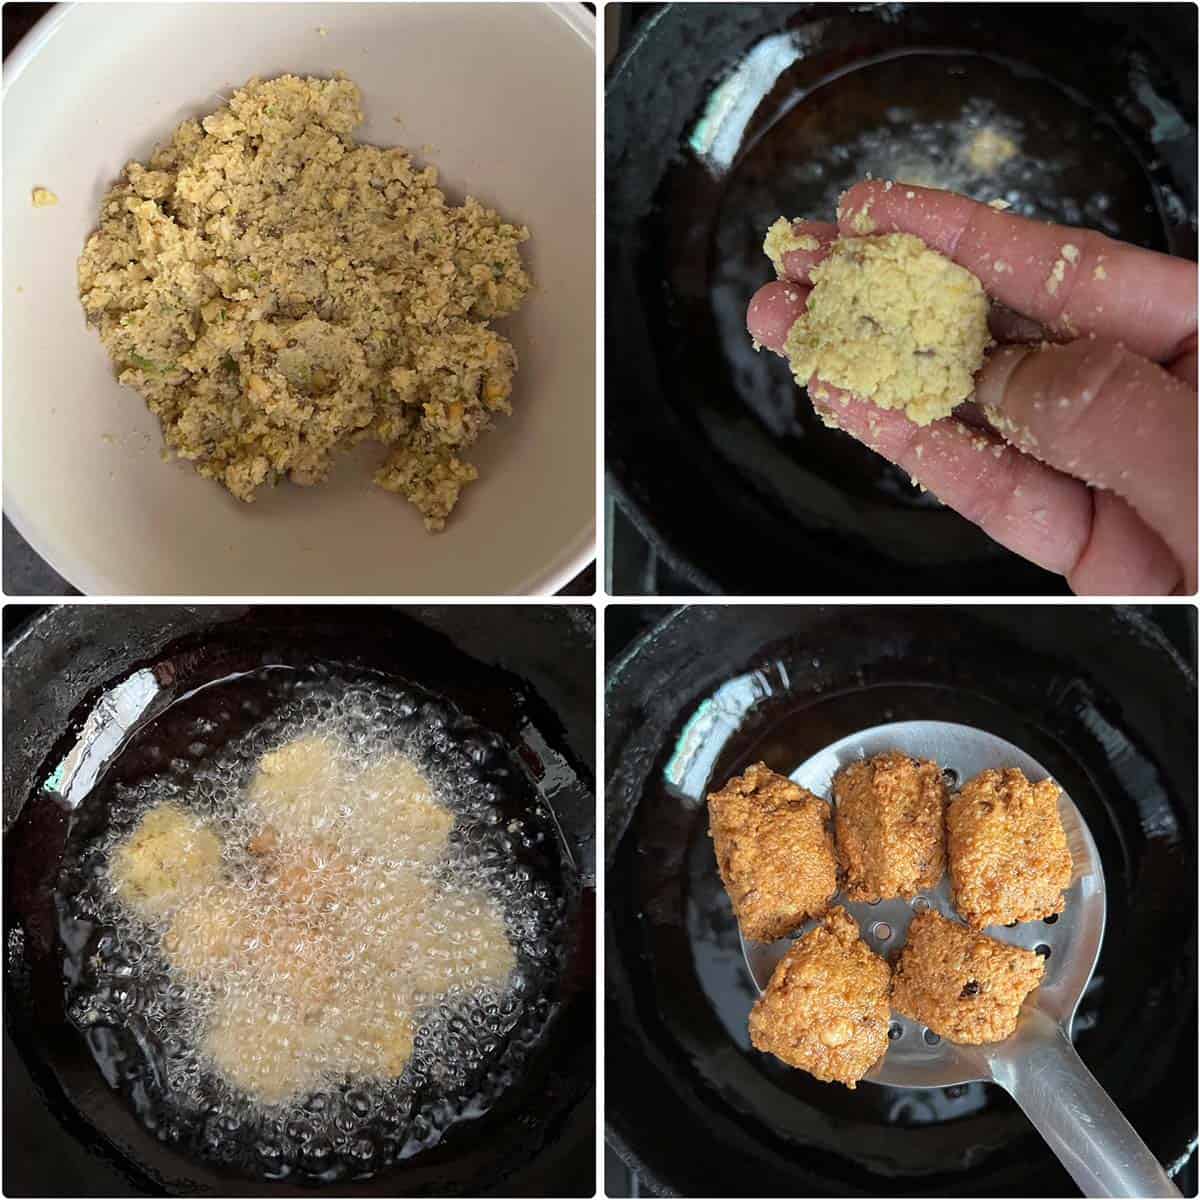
(1087, 1131)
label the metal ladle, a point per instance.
(1038, 1065)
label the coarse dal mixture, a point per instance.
(277, 292)
(889, 320)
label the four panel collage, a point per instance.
(599, 599)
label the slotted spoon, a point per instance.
(1038, 1065)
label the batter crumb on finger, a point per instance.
(781, 239)
(861, 221)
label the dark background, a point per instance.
(631, 565)
(42, 1160)
(625, 623)
(633, 562)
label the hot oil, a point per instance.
(344, 926)
(801, 142)
(959, 122)
(781, 714)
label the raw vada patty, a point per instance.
(278, 292)
(889, 320)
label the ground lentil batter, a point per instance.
(889, 320)
(277, 292)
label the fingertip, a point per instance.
(772, 312)
(824, 395)
(1121, 557)
(881, 206)
(854, 208)
(886, 431)
(855, 195)
(1007, 326)
(797, 263)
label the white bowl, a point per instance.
(500, 96)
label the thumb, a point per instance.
(1099, 412)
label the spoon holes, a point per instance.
(1042, 951)
(895, 1031)
(931, 1038)
(1051, 919)
(950, 775)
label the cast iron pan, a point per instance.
(518, 679)
(1097, 695)
(720, 118)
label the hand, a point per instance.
(1079, 452)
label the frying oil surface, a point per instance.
(314, 924)
(979, 151)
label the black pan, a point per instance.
(1097, 694)
(519, 680)
(720, 118)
